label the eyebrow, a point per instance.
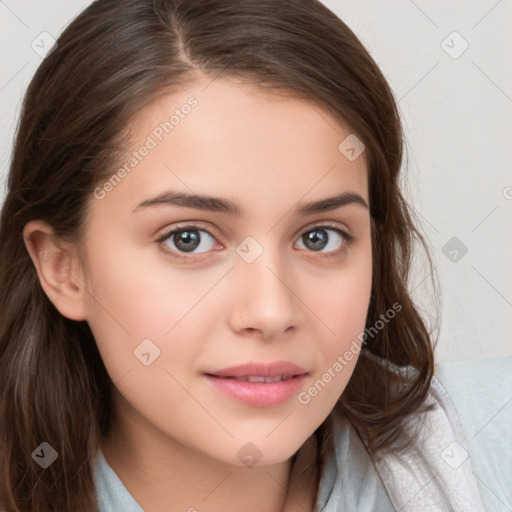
(219, 205)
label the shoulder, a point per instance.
(481, 393)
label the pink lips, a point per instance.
(259, 385)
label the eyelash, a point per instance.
(348, 240)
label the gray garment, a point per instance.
(472, 415)
(481, 392)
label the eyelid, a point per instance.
(338, 226)
(165, 233)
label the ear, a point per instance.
(59, 271)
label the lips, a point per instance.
(280, 370)
(258, 384)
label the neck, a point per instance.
(164, 475)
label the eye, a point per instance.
(328, 237)
(187, 239)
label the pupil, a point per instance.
(187, 240)
(318, 242)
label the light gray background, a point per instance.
(457, 117)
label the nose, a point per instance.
(264, 300)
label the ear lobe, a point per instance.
(58, 270)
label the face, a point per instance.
(224, 318)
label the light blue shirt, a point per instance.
(473, 417)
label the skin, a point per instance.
(175, 438)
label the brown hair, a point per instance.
(112, 60)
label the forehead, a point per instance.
(226, 138)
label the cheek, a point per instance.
(129, 304)
(146, 293)
(344, 305)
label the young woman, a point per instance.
(204, 260)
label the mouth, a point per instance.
(259, 385)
